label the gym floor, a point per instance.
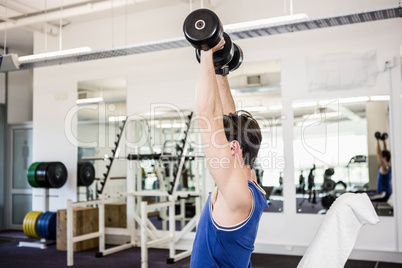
(13, 256)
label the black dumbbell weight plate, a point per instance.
(377, 135)
(203, 29)
(86, 174)
(237, 58)
(221, 57)
(41, 172)
(56, 174)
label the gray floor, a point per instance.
(13, 256)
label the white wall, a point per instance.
(170, 76)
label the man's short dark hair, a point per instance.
(242, 127)
(386, 154)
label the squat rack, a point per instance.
(139, 224)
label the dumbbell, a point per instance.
(380, 136)
(203, 29)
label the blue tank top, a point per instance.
(222, 246)
(384, 182)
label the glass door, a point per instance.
(19, 192)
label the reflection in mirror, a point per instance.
(101, 112)
(165, 135)
(335, 150)
(256, 89)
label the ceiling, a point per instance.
(20, 18)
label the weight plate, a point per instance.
(41, 224)
(224, 56)
(35, 222)
(29, 224)
(31, 174)
(50, 229)
(221, 57)
(203, 29)
(56, 174)
(41, 172)
(86, 173)
(237, 58)
(25, 224)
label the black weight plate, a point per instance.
(86, 173)
(41, 172)
(224, 56)
(56, 174)
(203, 29)
(237, 58)
(221, 57)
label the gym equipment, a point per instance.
(377, 135)
(111, 159)
(327, 201)
(384, 136)
(51, 174)
(56, 174)
(29, 225)
(221, 57)
(203, 29)
(31, 174)
(47, 225)
(41, 175)
(237, 59)
(86, 174)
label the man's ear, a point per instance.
(234, 147)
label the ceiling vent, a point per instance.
(253, 80)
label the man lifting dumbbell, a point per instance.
(229, 221)
(384, 189)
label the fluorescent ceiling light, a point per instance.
(380, 98)
(304, 104)
(265, 22)
(321, 115)
(117, 118)
(89, 100)
(255, 108)
(356, 99)
(66, 52)
(275, 107)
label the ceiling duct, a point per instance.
(308, 24)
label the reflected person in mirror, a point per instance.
(384, 188)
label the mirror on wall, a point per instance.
(101, 110)
(335, 150)
(256, 89)
(162, 137)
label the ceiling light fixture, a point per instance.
(355, 99)
(275, 107)
(380, 98)
(249, 25)
(66, 52)
(304, 104)
(89, 100)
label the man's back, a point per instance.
(227, 246)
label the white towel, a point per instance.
(338, 232)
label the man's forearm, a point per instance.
(207, 96)
(225, 94)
